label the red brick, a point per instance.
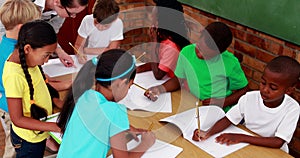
(227, 22)
(257, 76)
(271, 38)
(273, 47)
(209, 15)
(245, 48)
(264, 56)
(253, 85)
(239, 34)
(248, 72)
(253, 63)
(241, 27)
(255, 40)
(292, 45)
(288, 52)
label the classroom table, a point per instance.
(182, 101)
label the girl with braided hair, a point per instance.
(27, 94)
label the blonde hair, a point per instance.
(14, 12)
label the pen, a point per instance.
(198, 116)
(140, 86)
(76, 51)
(150, 127)
(140, 56)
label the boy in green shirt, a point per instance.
(208, 70)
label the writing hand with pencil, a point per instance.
(148, 137)
(198, 134)
(153, 92)
(66, 59)
(82, 58)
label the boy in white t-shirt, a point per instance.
(269, 112)
(100, 31)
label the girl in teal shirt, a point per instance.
(91, 120)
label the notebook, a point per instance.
(135, 99)
(54, 67)
(209, 115)
(55, 135)
(159, 149)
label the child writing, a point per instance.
(169, 33)
(100, 31)
(269, 112)
(27, 94)
(91, 118)
(13, 14)
(211, 73)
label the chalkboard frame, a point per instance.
(278, 18)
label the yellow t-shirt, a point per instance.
(16, 86)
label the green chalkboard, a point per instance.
(280, 18)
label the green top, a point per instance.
(214, 78)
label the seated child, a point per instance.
(212, 73)
(100, 31)
(169, 35)
(269, 112)
(91, 118)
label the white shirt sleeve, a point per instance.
(84, 27)
(288, 124)
(117, 33)
(236, 113)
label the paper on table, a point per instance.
(55, 135)
(159, 149)
(209, 115)
(54, 67)
(135, 99)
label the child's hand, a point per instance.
(82, 59)
(153, 92)
(134, 132)
(148, 139)
(229, 138)
(200, 136)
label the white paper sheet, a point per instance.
(209, 115)
(159, 149)
(54, 67)
(135, 99)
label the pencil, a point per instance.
(150, 127)
(76, 50)
(140, 87)
(139, 57)
(198, 116)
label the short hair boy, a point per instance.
(269, 112)
(100, 31)
(212, 73)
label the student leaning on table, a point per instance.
(26, 91)
(269, 112)
(13, 14)
(208, 70)
(100, 31)
(55, 12)
(91, 120)
(169, 35)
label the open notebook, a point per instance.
(54, 67)
(209, 115)
(159, 149)
(135, 99)
(55, 135)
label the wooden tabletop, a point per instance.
(182, 101)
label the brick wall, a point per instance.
(253, 48)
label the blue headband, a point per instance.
(121, 75)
